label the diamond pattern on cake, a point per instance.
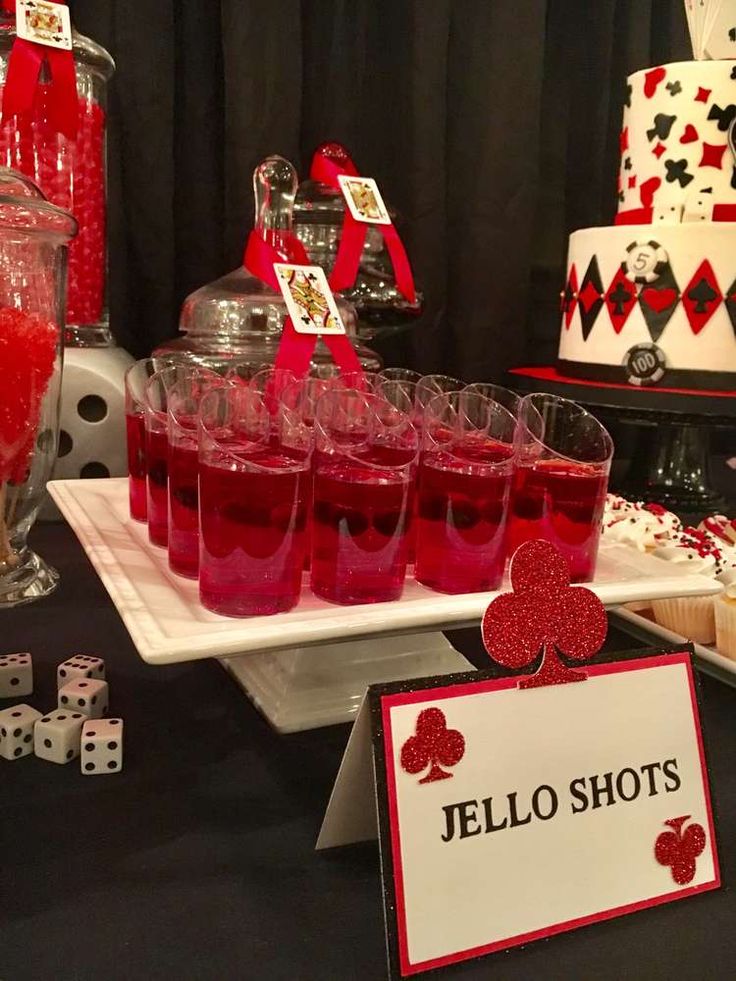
(590, 297)
(570, 296)
(658, 301)
(713, 155)
(701, 296)
(620, 300)
(730, 301)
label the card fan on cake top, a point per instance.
(712, 26)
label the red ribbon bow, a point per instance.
(295, 350)
(24, 69)
(329, 162)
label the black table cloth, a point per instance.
(197, 861)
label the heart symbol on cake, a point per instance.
(659, 300)
(690, 134)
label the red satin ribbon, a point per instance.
(295, 350)
(24, 69)
(329, 161)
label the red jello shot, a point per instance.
(562, 462)
(186, 385)
(253, 492)
(364, 466)
(463, 493)
(136, 379)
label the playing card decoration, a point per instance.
(620, 300)
(333, 166)
(434, 746)
(680, 848)
(544, 613)
(42, 49)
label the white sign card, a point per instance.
(529, 812)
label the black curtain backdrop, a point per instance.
(491, 125)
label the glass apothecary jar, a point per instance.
(70, 172)
(239, 317)
(33, 263)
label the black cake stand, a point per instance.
(670, 463)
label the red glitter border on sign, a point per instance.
(431, 695)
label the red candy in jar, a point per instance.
(70, 172)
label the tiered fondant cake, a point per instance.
(652, 300)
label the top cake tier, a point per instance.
(676, 162)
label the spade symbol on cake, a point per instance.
(620, 300)
(658, 301)
(701, 296)
(661, 128)
(590, 297)
(730, 301)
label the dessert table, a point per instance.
(197, 862)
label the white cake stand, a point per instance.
(308, 667)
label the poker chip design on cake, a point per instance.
(645, 261)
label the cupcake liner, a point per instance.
(693, 617)
(725, 611)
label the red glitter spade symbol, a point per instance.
(544, 612)
(433, 746)
(679, 849)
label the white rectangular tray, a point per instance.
(167, 623)
(708, 658)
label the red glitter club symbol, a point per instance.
(433, 746)
(544, 612)
(679, 849)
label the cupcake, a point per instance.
(725, 611)
(643, 526)
(693, 617)
(721, 527)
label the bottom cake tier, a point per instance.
(651, 305)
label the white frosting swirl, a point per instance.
(643, 526)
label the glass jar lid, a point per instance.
(24, 208)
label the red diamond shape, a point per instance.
(713, 155)
(620, 299)
(588, 296)
(701, 296)
(703, 95)
(632, 181)
(659, 150)
(623, 140)
(569, 296)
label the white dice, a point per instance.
(57, 736)
(102, 746)
(80, 666)
(16, 675)
(16, 731)
(88, 696)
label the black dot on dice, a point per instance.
(114, 722)
(91, 732)
(47, 743)
(112, 765)
(77, 715)
(17, 732)
(11, 659)
(89, 747)
(82, 684)
(15, 715)
(18, 751)
(62, 673)
(64, 700)
(89, 766)
(3, 733)
(46, 719)
(15, 681)
(28, 738)
(82, 703)
(60, 718)
(69, 753)
(112, 745)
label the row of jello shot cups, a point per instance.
(250, 477)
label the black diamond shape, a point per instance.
(592, 278)
(656, 314)
(730, 301)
